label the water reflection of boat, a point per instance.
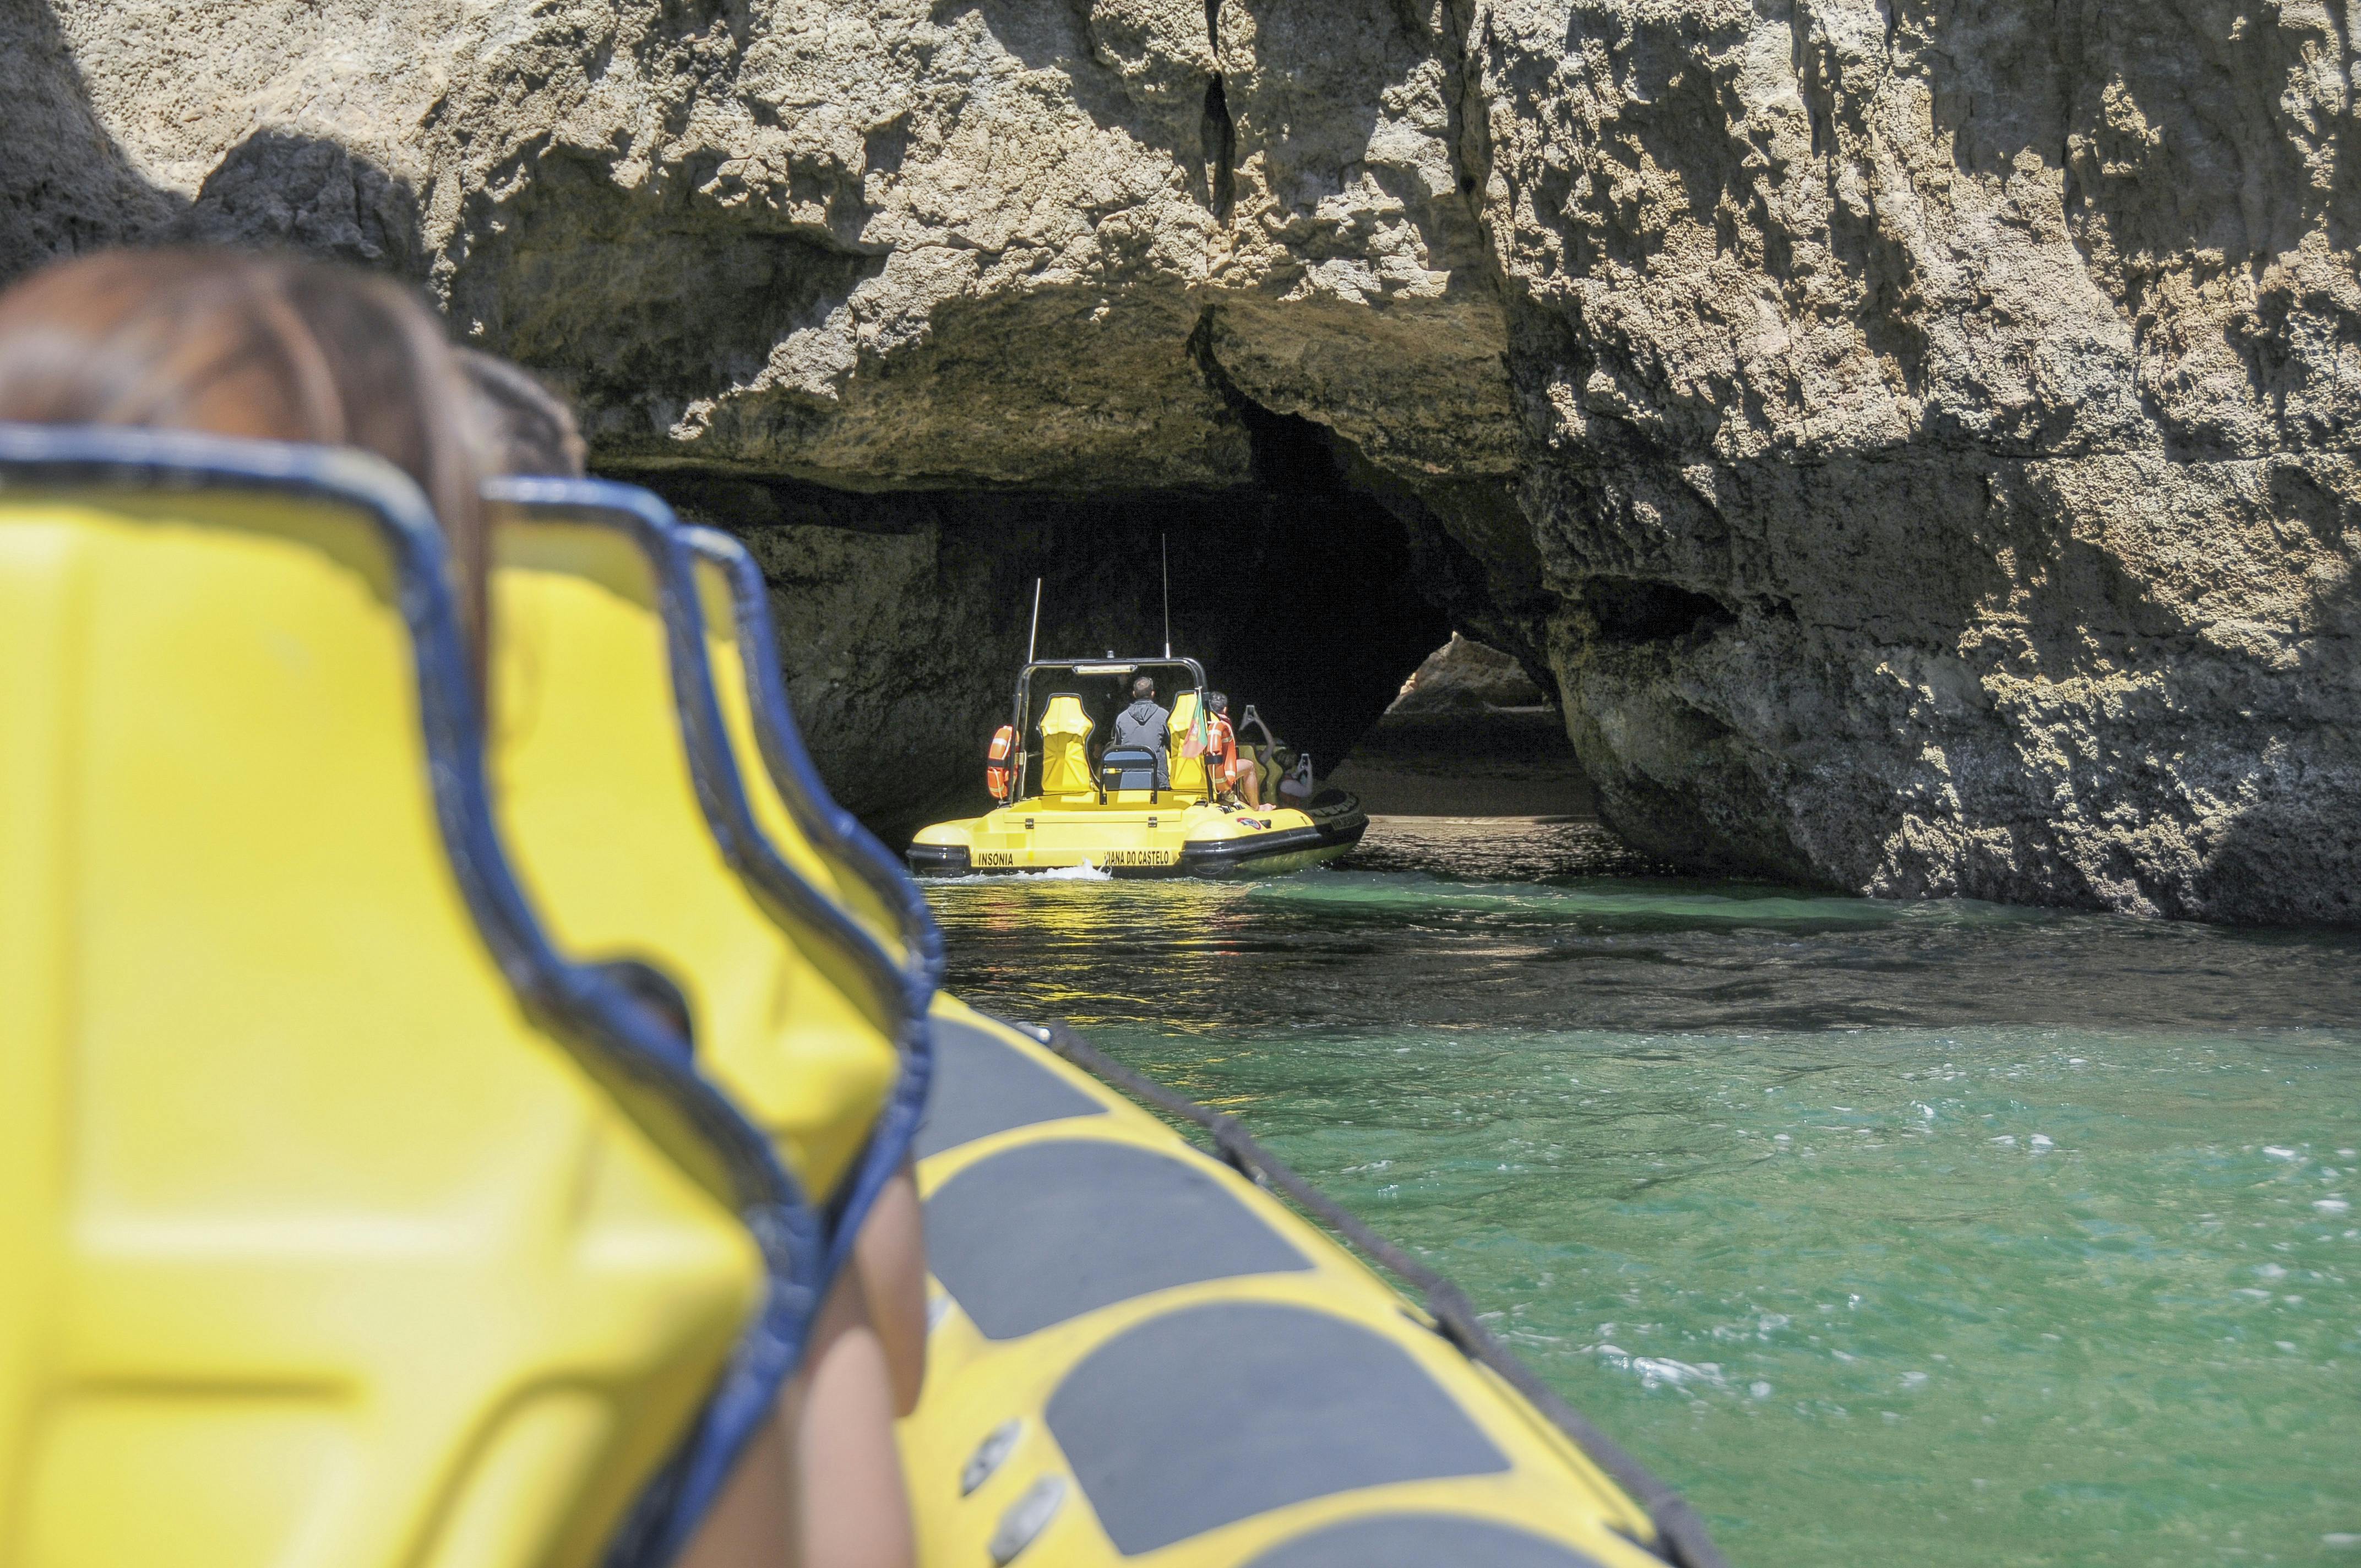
(1065, 808)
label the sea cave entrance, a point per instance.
(903, 615)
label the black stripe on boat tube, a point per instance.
(1681, 1532)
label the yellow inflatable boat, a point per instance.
(1110, 809)
(349, 1222)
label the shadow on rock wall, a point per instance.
(638, 299)
(67, 186)
(282, 190)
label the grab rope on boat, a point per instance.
(1684, 1539)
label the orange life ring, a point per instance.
(999, 763)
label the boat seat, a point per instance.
(634, 826)
(1065, 749)
(794, 812)
(1127, 768)
(344, 1223)
(1188, 772)
(811, 830)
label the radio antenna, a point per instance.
(1164, 543)
(1033, 638)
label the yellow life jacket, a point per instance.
(1188, 772)
(1065, 753)
(633, 822)
(343, 1222)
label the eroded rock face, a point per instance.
(1915, 435)
(1942, 419)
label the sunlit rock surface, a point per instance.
(1467, 676)
(1916, 437)
(1941, 419)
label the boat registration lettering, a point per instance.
(1142, 857)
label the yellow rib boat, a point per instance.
(1116, 811)
(392, 1233)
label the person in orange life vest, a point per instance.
(1222, 754)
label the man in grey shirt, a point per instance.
(1143, 725)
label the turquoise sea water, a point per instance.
(1942, 1234)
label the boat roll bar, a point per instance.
(1110, 665)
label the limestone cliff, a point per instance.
(1915, 435)
(1942, 423)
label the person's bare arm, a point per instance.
(891, 1255)
(852, 1509)
(751, 1523)
(821, 1484)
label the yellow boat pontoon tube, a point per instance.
(1114, 814)
(1140, 1357)
(342, 1222)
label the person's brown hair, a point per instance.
(522, 427)
(265, 347)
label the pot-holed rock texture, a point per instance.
(1913, 436)
(849, 265)
(1941, 424)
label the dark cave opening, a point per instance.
(903, 615)
(1635, 609)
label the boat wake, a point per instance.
(1068, 874)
